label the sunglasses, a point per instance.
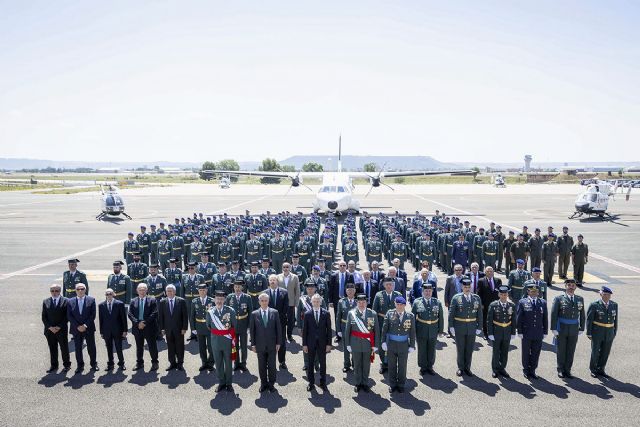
(55, 291)
(80, 289)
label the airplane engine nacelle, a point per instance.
(375, 182)
(296, 181)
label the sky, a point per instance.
(206, 80)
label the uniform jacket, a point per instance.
(429, 317)
(316, 335)
(605, 316)
(505, 315)
(532, 319)
(460, 308)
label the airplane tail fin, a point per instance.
(340, 153)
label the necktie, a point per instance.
(109, 305)
(80, 305)
(468, 298)
(317, 317)
(275, 297)
(55, 303)
(341, 285)
(171, 306)
(474, 283)
(264, 318)
(367, 291)
(491, 281)
(141, 309)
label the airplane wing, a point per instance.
(461, 172)
(208, 174)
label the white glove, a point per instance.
(374, 349)
(513, 337)
(411, 350)
(478, 331)
(349, 348)
(492, 338)
(340, 334)
(384, 346)
(452, 332)
(580, 332)
(520, 336)
(555, 333)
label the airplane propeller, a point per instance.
(376, 181)
(296, 182)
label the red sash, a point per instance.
(223, 332)
(370, 336)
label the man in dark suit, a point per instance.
(143, 313)
(338, 286)
(377, 274)
(173, 318)
(474, 274)
(402, 274)
(81, 311)
(266, 333)
(316, 340)
(113, 327)
(453, 285)
(488, 291)
(54, 319)
(279, 300)
(369, 288)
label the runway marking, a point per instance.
(625, 277)
(484, 218)
(9, 214)
(98, 248)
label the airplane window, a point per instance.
(325, 190)
(594, 197)
(340, 189)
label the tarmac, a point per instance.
(42, 231)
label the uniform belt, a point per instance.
(490, 253)
(255, 294)
(478, 247)
(428, 322)
(352, 254)
(424, 254)
(137, 280)
(120, 293)
(604, 325)
(343, 320)
(242, 317)
(398, 338)
(130, 252)
(517, 287)
(276, 252)
(144, 246)
(460, 319)
(398, 253)
(201, 320)
(165, 253)
(190, 295)
(252, 253)
(303, 253)
(380, 314)
(504, 325)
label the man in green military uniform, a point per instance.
(549, 257)
(266, 270)
(198, 321)
(298, 269)
(567, 323)
(509, 261)
(465, 322)
(345, 305)
(222, 280)
(130, 246)
(398, 338)
(253, 249)
(565, 244)
(430, 325)
(351, 250)
(197, 249)
(382, 303)
(177, 247)
(242, 305)
(303, 249)
(304, 305)
(362, 339)
(490, 252)
(256, 283)
(579, 257)
(163, 254)
(326, 251)
(120, 283)
(137, 270)
(190, 283)
(425, 249)
(221, 321)
(399, 250)
(373, 249)
(520, 250)
(602, 327)
(499, 237)
(478, 248)
(206, 268)
(156, 283)
(517, 279)
(154, 237)
(225, 251)
(501, 329)
(144, 242)
(72, 277)
(277, 251)
(174, 277)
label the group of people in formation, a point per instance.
(251, 280)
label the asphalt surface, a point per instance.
(41, 231)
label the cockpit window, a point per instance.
(594, 197)
(341, 190)
(113, 200)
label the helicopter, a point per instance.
(499, 182)
(225, 181)
(594, 200)
(112, 203)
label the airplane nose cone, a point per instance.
(332, 204)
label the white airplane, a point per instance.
(498, 181)
(336, 192)
(225, 181)
(594, 200)
(112, 203)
